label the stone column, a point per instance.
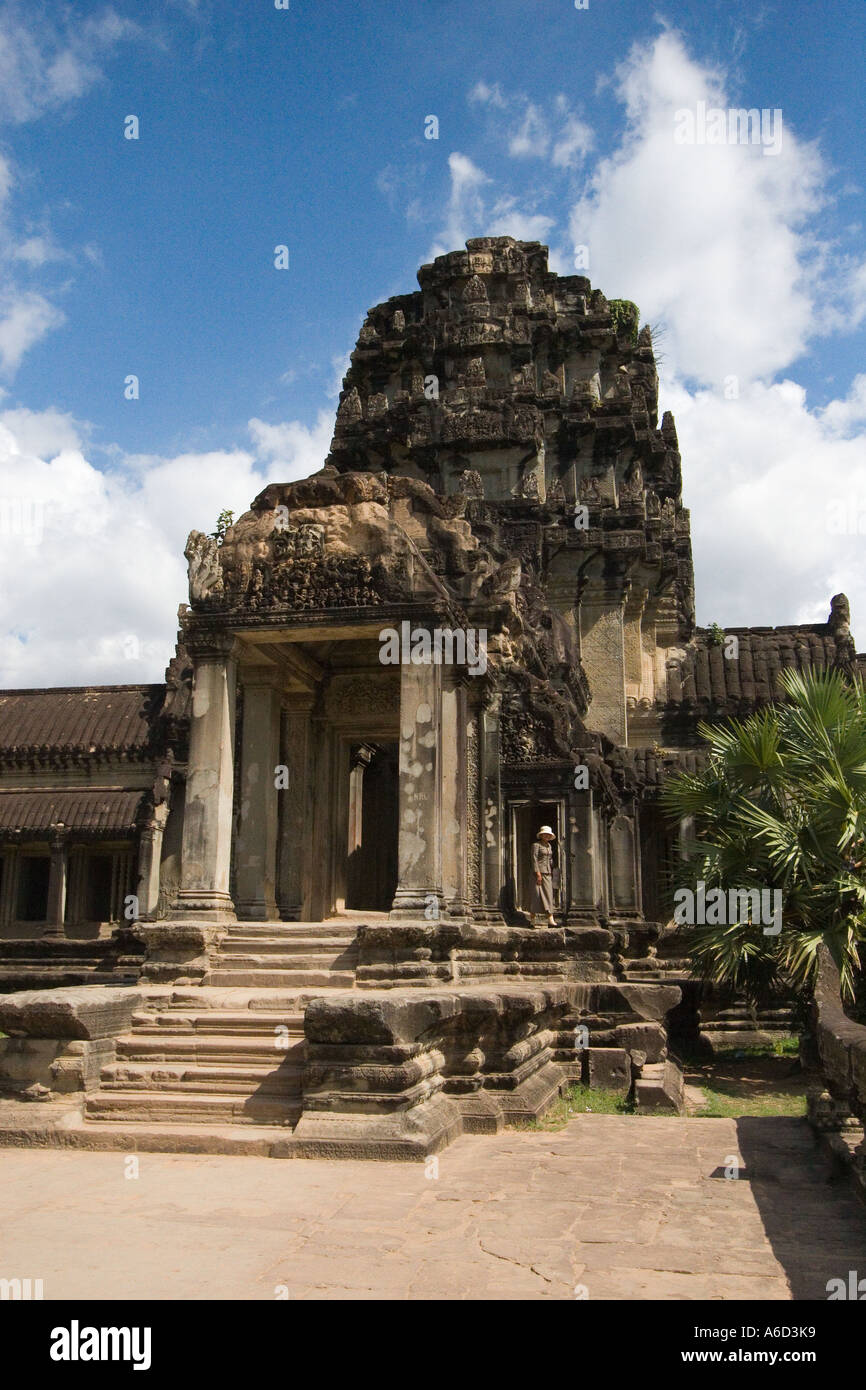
(491, 808)
(8, 885)
(586, 893)
(256, 848)
(149, 863)
(207, 824)
(419, 874)
(57, 884)
(295, 830)
(473, 851)
(454, 813)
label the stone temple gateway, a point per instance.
(475, 619)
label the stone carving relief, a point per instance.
(203, 567)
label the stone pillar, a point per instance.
(295, 830)
(57, 883)
(207, 823)
(586, 895)
(256, 848)
(419, 872)
(491, 809)
(625, 898)
(8, 885)
(473, 851)
(149, 863)
(454, 813)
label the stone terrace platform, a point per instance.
(615, 1207)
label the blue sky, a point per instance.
(305, 126)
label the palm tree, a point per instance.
(781, 804)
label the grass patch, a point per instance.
(577, 1100)
(746, 1081)
(722, 1105)
(782, 1047)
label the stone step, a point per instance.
(286, 931)
(23, 977)
(320, 960)
(225, 1046)
(289, 946)
(287, 997)
(165, 1136)
(249, 1023)
(231, 978)
(166, 1107)
(284, 1080)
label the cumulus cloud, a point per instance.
(507, 218)
(727, 251)
(91, 561)
(295, 450)
(777, 493)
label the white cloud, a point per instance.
(36, 251)
(465, 211)
(296, 450)
(531, 139)
(573, 144)
(43, 433)
(765, 478)
(715, 241)
(507, 219)
(487, 95)
(25, 318)
(45, 64)
(91, 562)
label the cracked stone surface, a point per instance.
(612, 1207)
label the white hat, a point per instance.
(545, 830)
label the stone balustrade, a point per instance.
(59, 1039)
(838, 1110)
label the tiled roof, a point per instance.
(93, 812)
(705, 677)
(98, 719)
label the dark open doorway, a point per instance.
(371, 869)
(526, 823)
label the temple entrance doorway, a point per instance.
(527, 818)
(371, 864)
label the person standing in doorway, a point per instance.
(542, 863)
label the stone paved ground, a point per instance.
(626, 1206)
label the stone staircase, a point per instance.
(207, 1057)
(49, 963)
(270, 954)
(231, 1050)
(738, 1026)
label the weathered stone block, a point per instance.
(609, 1069)
(83, 1012)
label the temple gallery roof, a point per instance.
(87, 812)
(111, 719)
(748, 675)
